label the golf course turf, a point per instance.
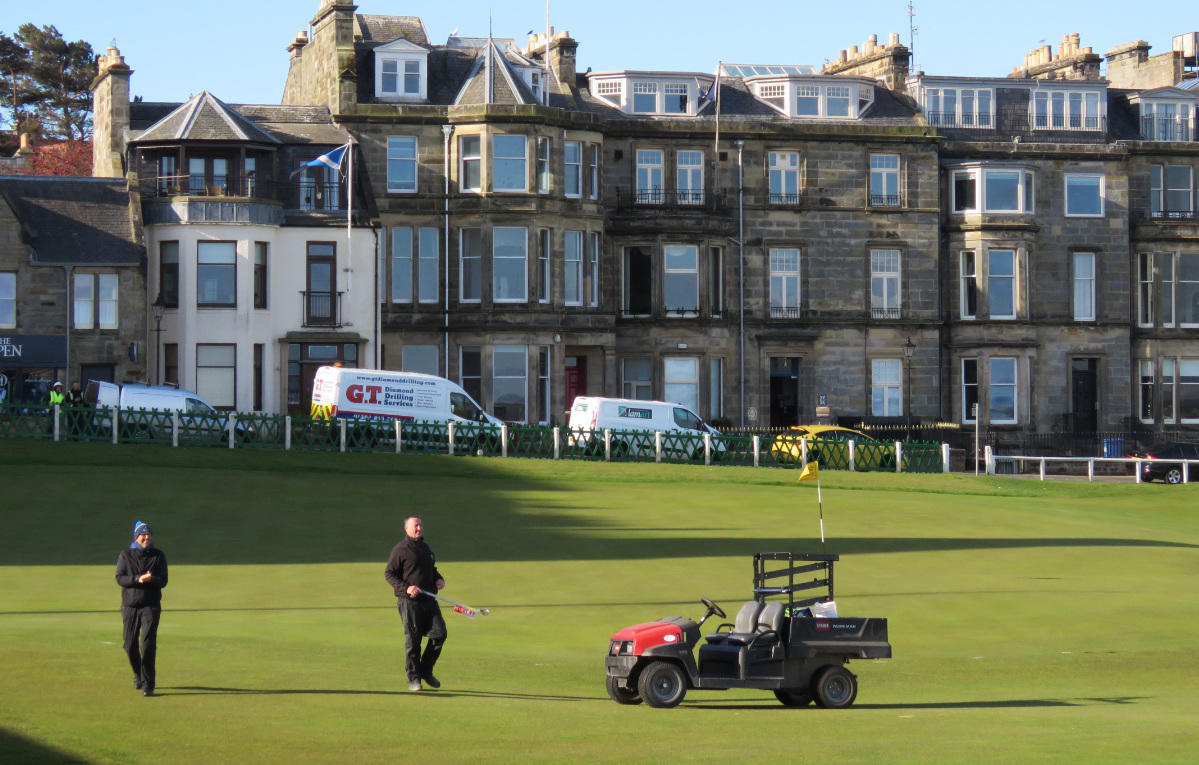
(1031, 622)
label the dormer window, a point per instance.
(1167, 121)
(611, 91)
(808, 98)
(960, 107)
(641, 95)
(774, 93)
(1067, 110)
(645, 97)
(401, 72)
(675, 98)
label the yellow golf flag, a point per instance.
(809, 472)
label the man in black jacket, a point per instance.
(412, 571)
(142, 573)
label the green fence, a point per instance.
(265, 431)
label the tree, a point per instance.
(14, 65)
(58, 81)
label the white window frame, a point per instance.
(611, 91)
(785, 267)
(572, 268)
(514, 159)
(428, 262)
(992, 386)
(572, 169)
(783, 173)
(216, 374)
(672, 91)
(1078, 184)
(677, 271)
(402, 152)
(469, 159)
(227, 251)
(680, 381)
(470, 265)
(634, 386)
(960, 107)
(650, 176)
(885, 278)
(401, 264)
(1186, 264)
(8, 299)
(1169, 195)
(978, 177)
(1083, 273)
(967, 284)
(543, 165)
(689, 177)
(408, 64)
(1175, 123)
(543, 260)
(884, 180)
(97, 300)
(510, 261)
(644, 88)
(1188, 377)
(1064, 109)
(992, 278)
(498, 380)
(886, 387)
(593, 251)
(593, 180)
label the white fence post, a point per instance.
(116, 432)
(341, 433)
(57, 409)
(287, 433)
(449, 433)
(757, 450)
(607, 444)
(504, 440)
(174, 428)
(232, 425)
(657, 446)
(989, 459)
(1091, 469)
(557, 443)
(852, 455)
(399, 436)
(944, 457)
(1042, 468)
(1186, 471)
(1137, 466)
(803, 452)
(707, 448)
(898, 456)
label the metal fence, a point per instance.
(242, 430)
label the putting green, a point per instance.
(1030, 622)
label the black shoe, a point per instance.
(148, 691)
(138, 685)
(431, 681)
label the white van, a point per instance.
(146, 411)
(590, 416)
(378, 394)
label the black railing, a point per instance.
(321, 308)
(1173, 215)
(679, 200)
(1167, 129)
(1067, 122)
(884, 313)
(785, 199)
(779, 312)
(884, 200)
(200, 186)
(953, 120)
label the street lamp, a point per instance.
(159, 307)
(908, 349)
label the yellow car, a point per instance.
(829, 445)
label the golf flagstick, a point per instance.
(466, 611)
(811, 472)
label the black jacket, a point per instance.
(132, 563)
(412, 562)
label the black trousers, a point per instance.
(141, 651)
(422, 618)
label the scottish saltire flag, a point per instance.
(332, 159)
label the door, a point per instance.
(576, 379)
(1084, 382)
(784, 391)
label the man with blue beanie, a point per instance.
(142, 573)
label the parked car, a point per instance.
(1158, 467)
(829, 445)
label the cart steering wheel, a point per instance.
(713, 608)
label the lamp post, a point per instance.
(159, 307)
(908, 349)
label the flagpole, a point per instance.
(820, 509)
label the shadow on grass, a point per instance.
(17, 748)
(206, 690)
(1004, 704)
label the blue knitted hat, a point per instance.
(141, 527)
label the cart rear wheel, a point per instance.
(835, 687)
(662, 684)
(619, 693)
(1174, 475)
(793, 697)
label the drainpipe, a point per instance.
(378, 322)
(740, 144)
(447, 131)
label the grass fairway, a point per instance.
(1031, 622)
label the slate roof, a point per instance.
(384, 29)
(206, 118)
(493, 70)
(74, 220)
(272, 123)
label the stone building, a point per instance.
(72, 284)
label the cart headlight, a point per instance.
(620, 648)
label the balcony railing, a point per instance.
(1167, 129)
(777, 198)
(1173, 215)
(1073, 122)
(321, 308)
(954, 120)
(884, 313)
(200, 186)
(780, 312)
(884, 200)
(678, 200)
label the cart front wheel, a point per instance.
(1174, 475)
(619, 693)
(662, 684)
(835, 688)
(793, 697)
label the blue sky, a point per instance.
(236, 50)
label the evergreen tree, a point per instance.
(57, 81)
(14, 66)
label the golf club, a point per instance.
(466, 611)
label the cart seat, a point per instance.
(746, 621)
(769, 620)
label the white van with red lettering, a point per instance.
(379, 394)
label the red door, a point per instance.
(576, 379)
